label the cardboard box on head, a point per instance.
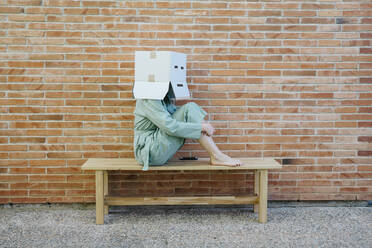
(158, 72)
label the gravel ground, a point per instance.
(152, 226)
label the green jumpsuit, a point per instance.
(160, 129)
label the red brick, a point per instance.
(365, 153)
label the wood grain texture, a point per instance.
(99, 198)
(201, 164)
(180, 200)
(262, 212)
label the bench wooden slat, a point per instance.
(177, 200)
(201, 164)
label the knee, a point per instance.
(188, 106)
(191, 105)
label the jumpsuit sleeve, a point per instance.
(158, 115)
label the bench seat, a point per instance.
(103, 200)
(200, 164)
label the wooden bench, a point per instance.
(103, 200)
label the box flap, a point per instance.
(150, 90)
(180, 90)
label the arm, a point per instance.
(157, 114)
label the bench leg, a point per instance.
(256, 188)
(105, 190)
(262, 212)
(99, 198)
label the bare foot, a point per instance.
(225, 160)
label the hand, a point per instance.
(207, 128)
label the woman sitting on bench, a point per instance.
(160, 130)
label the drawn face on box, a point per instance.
(156, 73)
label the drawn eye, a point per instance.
(176, 66)
(181, 67)
(179, 85)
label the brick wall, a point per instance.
(284, 79)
